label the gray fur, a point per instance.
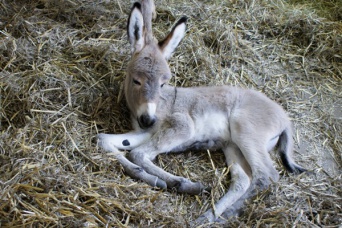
(244, 124)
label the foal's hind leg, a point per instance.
(239, 171)
(260, 162)
(253, 139)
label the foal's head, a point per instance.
(148, 70)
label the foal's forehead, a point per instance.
(150, 64)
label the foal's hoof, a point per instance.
(160, 184)
(186, 186)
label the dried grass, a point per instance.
(62, 67)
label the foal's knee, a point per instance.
(136, 157)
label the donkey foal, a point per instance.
(244, 124)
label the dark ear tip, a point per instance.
(136, 5)
(183, 19)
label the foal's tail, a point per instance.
(286, 149)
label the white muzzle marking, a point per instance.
(147, 108)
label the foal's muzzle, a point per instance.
(146, 121)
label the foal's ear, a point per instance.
(171, 41)
(135, 28)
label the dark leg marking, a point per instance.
(125, 142)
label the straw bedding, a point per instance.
(62, 69)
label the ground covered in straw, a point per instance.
(62, 66)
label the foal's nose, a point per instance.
(146, 121)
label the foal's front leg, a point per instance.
(113, 142)
(175, 133)
(127, 141)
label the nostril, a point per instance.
(145, 121)
(152, 121)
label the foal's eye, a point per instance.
(136, 82)
(161, 86)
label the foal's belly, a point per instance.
(211, 131)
